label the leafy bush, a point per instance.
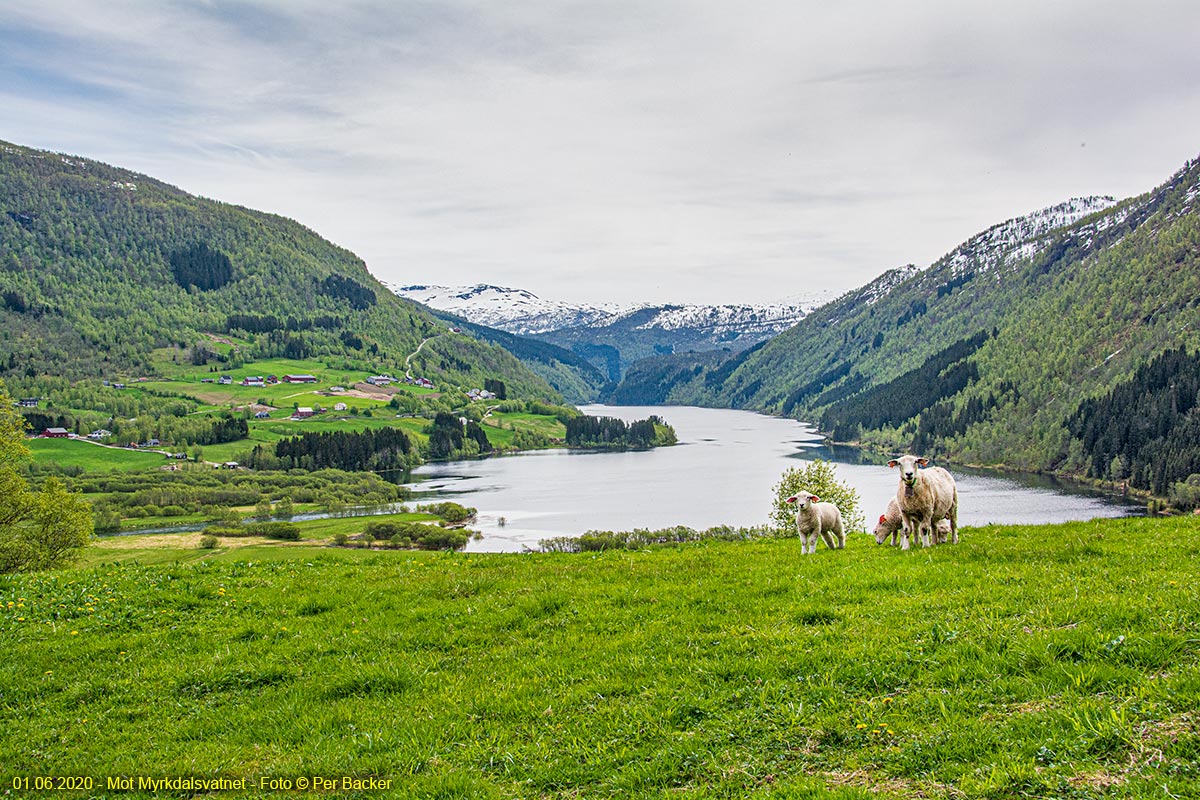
(1186, 494)
(451, 512)
(208, 542)
(641, 538)
(819, 478)
(383, 530)
(106, 521)
(442, 539)
(227, 530)
(288, 531)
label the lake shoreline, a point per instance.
(720, 474)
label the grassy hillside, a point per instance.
(99, 267)
(986, 355)
(1027, 661)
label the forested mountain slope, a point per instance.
(100, 266)
(569, 373)
(990, 353)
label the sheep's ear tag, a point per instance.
(924, 462)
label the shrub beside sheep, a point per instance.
(925, 496)
(813, 519)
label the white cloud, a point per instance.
(691, 151)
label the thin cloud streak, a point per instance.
(668, 151)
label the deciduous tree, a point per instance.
(38, 529)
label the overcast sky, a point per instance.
(661, 150)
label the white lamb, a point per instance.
(925, 495)
(891, 521)
(813, 519)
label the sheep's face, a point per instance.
(803, 500)
(908, 466)
(882, 530)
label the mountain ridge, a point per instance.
(613, 336)
(1027, 320)
(101, 266)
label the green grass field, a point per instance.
(269, 431)
(1058, 661)
(91, 457)
(182, 546)
(501, 427)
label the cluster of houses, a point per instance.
(388, 380)
(101, 434)
(262, 380)
(481, 394)
(272, 380)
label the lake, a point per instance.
(722, 472)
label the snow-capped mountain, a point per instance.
(513, 310)
(522, 312)
(611, 336)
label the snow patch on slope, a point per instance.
(1010, 242)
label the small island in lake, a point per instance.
(610, 433)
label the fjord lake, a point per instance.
(722, 472)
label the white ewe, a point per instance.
(891, 521)
(925, 496)
(813, 519)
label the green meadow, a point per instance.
(91, 457)
(1027, 661)
(501, 428)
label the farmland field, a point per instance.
(92, 457)
(1027, 661)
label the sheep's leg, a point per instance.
(954, 521)
(827, 536)
(812, 543)
(840, 533)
